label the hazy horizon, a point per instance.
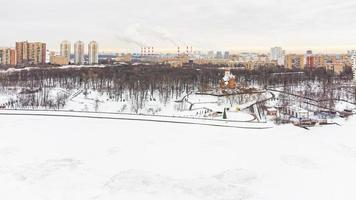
(324, 26)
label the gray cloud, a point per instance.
(214, 24)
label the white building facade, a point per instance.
(93, 52)
(79, 53)
(278, 54)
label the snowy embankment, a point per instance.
(81, 158)
(247, 124)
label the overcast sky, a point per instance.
(322, 25)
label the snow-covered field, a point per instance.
(71, 158)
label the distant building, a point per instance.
(7, 56)
(66, 49)
(294, 61)
(226, 55)
(93, 52)
(219, 55)
(31, 53)
(58, 59)
(211, 54)
(21, 52)
(13, 57)
(353, 60)
(278, 55)
(247, 57)
(320, 60)
(262, 58)
(79, 53)
(175, 63)
(310, 59)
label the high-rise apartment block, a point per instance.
(278, 55)
(79, 53)
(93, 52)
(226, 55)
(30, 53)
(7, 56)
(219, 55)
(310, 59)
(66, 49)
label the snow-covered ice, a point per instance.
(71, 158)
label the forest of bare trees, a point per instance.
(141, 82)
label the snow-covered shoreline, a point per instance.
(133, 117)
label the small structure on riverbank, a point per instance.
(297, 112)
(272, 111)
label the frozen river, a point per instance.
(79, 158)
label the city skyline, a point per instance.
(227, 25)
